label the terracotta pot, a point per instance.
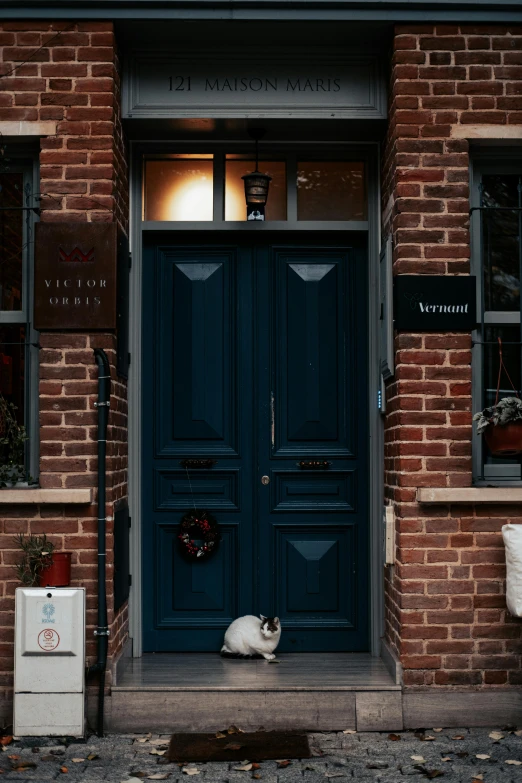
(504, 440)
(58, 572)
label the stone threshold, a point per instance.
(38, 496)
(470, 495)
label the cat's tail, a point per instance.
(225, 653)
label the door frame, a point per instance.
(369, 153)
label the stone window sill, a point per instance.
(470, 495)
(43, 496)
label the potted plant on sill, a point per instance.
(501, 424)
(13, 438)
(40, 565)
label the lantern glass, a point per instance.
(331, 190)
(236, 168)
(179, 188)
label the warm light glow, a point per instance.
(179, 189)
(191, 200)
(235, 206)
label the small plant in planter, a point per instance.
(36, 556)
(501, 425)
(13, 438)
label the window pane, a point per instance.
(501, 242)
(11, 241)
(235, 206)
(12, 369)
(499, 467)
(179, 188)
(331, 190)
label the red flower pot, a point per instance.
(504, 440)
(58, 572)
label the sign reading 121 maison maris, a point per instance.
(75, 276)
(290, 85)
(435, 303)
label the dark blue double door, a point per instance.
(255, 356)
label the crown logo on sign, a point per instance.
(76, 255)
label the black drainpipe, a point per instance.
(102, 630)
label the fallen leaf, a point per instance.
(256, 776)
(234, 730)
(219, 735)
(335, 774)
(418, 759)
(132, 780)
(243, 768)
(93, 756)
(232, 746)
(64, 770)
(6, 740)
(349, 731)
(77, 761)
(428, 738)
(482, 756)
(156, 752)
(190, 770)
(159, 776)
(282, 763)
(496, 735)
(438, 730)
(515, 762)
(518, 733)
(140, 774)
(158, 742)
(458, 737)
(446, 758)
(146, 738)
(255, 765)
(20, 766)
(479, 776)
(394, 737)
(13, 757)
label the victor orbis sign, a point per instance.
(75, 276)
(436, 303)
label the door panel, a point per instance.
(313, 523)
(255, 356)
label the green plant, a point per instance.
(505, 411)
(36, 555)
(13, 438)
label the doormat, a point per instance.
(254, 746)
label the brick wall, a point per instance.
(445, 604)
(69, 73)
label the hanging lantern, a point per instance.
(256, 186)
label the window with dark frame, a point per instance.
(18, 341)
(497, 262)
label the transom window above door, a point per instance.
(308, 190)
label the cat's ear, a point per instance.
(263, 618)
(276, 620)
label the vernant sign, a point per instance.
(75, 276)
(302, 84)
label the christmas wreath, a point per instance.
(198, 526)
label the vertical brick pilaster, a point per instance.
(445, 604)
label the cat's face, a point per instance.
(269, 626)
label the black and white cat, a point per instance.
(250, 636)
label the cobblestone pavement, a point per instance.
(457, 755)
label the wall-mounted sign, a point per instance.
(75, 276)
(286, 85)
(435, 303)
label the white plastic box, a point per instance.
(49, 682)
